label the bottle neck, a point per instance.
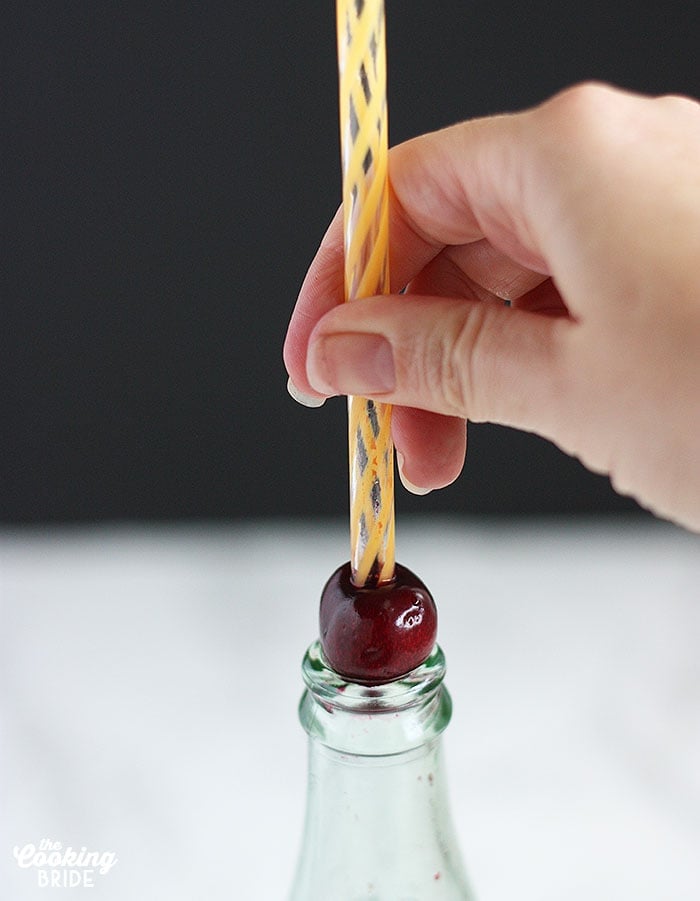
(377, 817)
(374, 720)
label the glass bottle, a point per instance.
(378, 825)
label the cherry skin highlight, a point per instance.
(376, 634)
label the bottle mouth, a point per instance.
(333, 690)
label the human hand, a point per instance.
(584, 214)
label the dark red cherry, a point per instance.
(375, 635)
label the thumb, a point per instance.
(476, 360)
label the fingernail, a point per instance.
(351, 363)
(306, 400)
(409, 486)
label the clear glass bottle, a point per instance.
(378, 825)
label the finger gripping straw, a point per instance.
(364, 152)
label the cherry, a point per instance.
(376, 634)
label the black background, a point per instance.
(168, 171)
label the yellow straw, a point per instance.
(364, 149)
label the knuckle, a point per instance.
(683, 110)
(459, 363)
(581, 105)
(576, 120)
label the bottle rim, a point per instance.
(332, 689)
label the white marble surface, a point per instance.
(149, 679)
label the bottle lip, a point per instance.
(333, 690)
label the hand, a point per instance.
(583, 214)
